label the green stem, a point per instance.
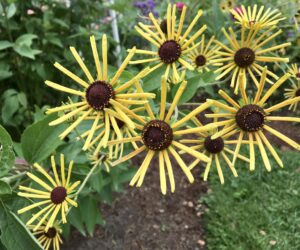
(10, 179)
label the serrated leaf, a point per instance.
(7, 155)
(14, 234)
(4, 188)
(39, 140)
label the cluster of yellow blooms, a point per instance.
(119, 112)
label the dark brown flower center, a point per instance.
(298, 75)
(297, 93)
(250, 118)
(169, 51)
(98, 95)
(51, 233)
(58, 195)
(244, 57)
(200, 60)
(104, 157)
(214, 146)
(164, 26)
(157, 135)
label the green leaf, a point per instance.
(11, 10)
(14, 234)
(153, 81)
(10, 106)
(26, 51)
(7, 155)
(4, 188)
(91, 205)
(39, 140)
(5, 44)
(25, 39)
(5, 71)
(190, 90)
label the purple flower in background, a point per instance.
(146, 7)
(238, 10)
(180, 6)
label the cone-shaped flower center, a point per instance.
(164, 26)
(169, 51)
(298, 75)
(98, 95)
(244, 57)
(297, 93)
(157, 135)
(51, 233)
(200, 60)
(250, 118)
(58, 195)
(214, 146)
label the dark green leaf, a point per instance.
(14, 234)
(4, 188)
(39, 140)
(5, 44)
(26, 51)
(7, 155)
(11, 10)
(4, 71)
(25, 39)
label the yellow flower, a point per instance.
(100, 95)
(257, 19)
(118, 130)
(245, 56)
(202, 55)
(214, 149)
(158, 136)
(48, 238)
(250, 119)
(99, 159)
(56, 194)
(294, 91)
(227, 5)
(171, 43)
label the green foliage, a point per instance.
(7, 155)
(256, 210)
(40, 140)
(5, 189)
(14, 234)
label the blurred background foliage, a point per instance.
(36, 33)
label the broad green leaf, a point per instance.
(4, 188)
(26, 51)
(39, 140)
(25, 39)
(190, 90)
(5, 44)
(91, 205)
(14, 234)
(153, 81)
(10, 106)
(7, 155)
(11, 10)
(5, 71)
